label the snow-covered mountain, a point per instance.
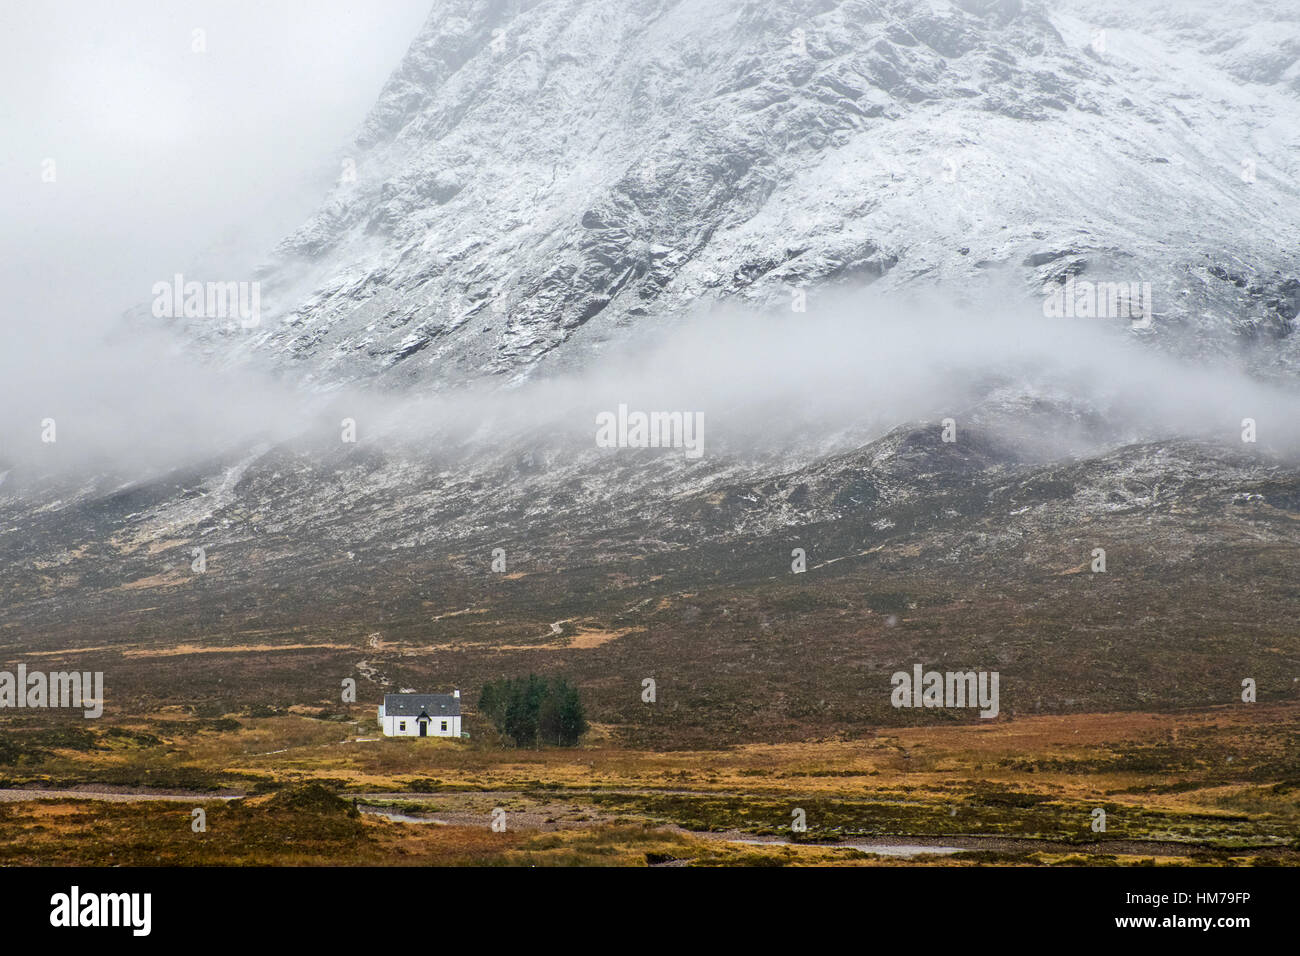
(541, 182)
(539, 176)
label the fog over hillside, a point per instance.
(798, 219)
(764, 382)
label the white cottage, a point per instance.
(420, 715)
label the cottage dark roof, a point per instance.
(410, 705)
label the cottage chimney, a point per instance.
(455, 693)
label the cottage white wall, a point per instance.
(393, 727)
(391, 724)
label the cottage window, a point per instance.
(401, 725)
(444, 726)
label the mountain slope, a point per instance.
(537, 177)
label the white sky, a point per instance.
(168, 159)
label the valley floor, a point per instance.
(1217, 787)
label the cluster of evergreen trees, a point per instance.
(534, 712)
